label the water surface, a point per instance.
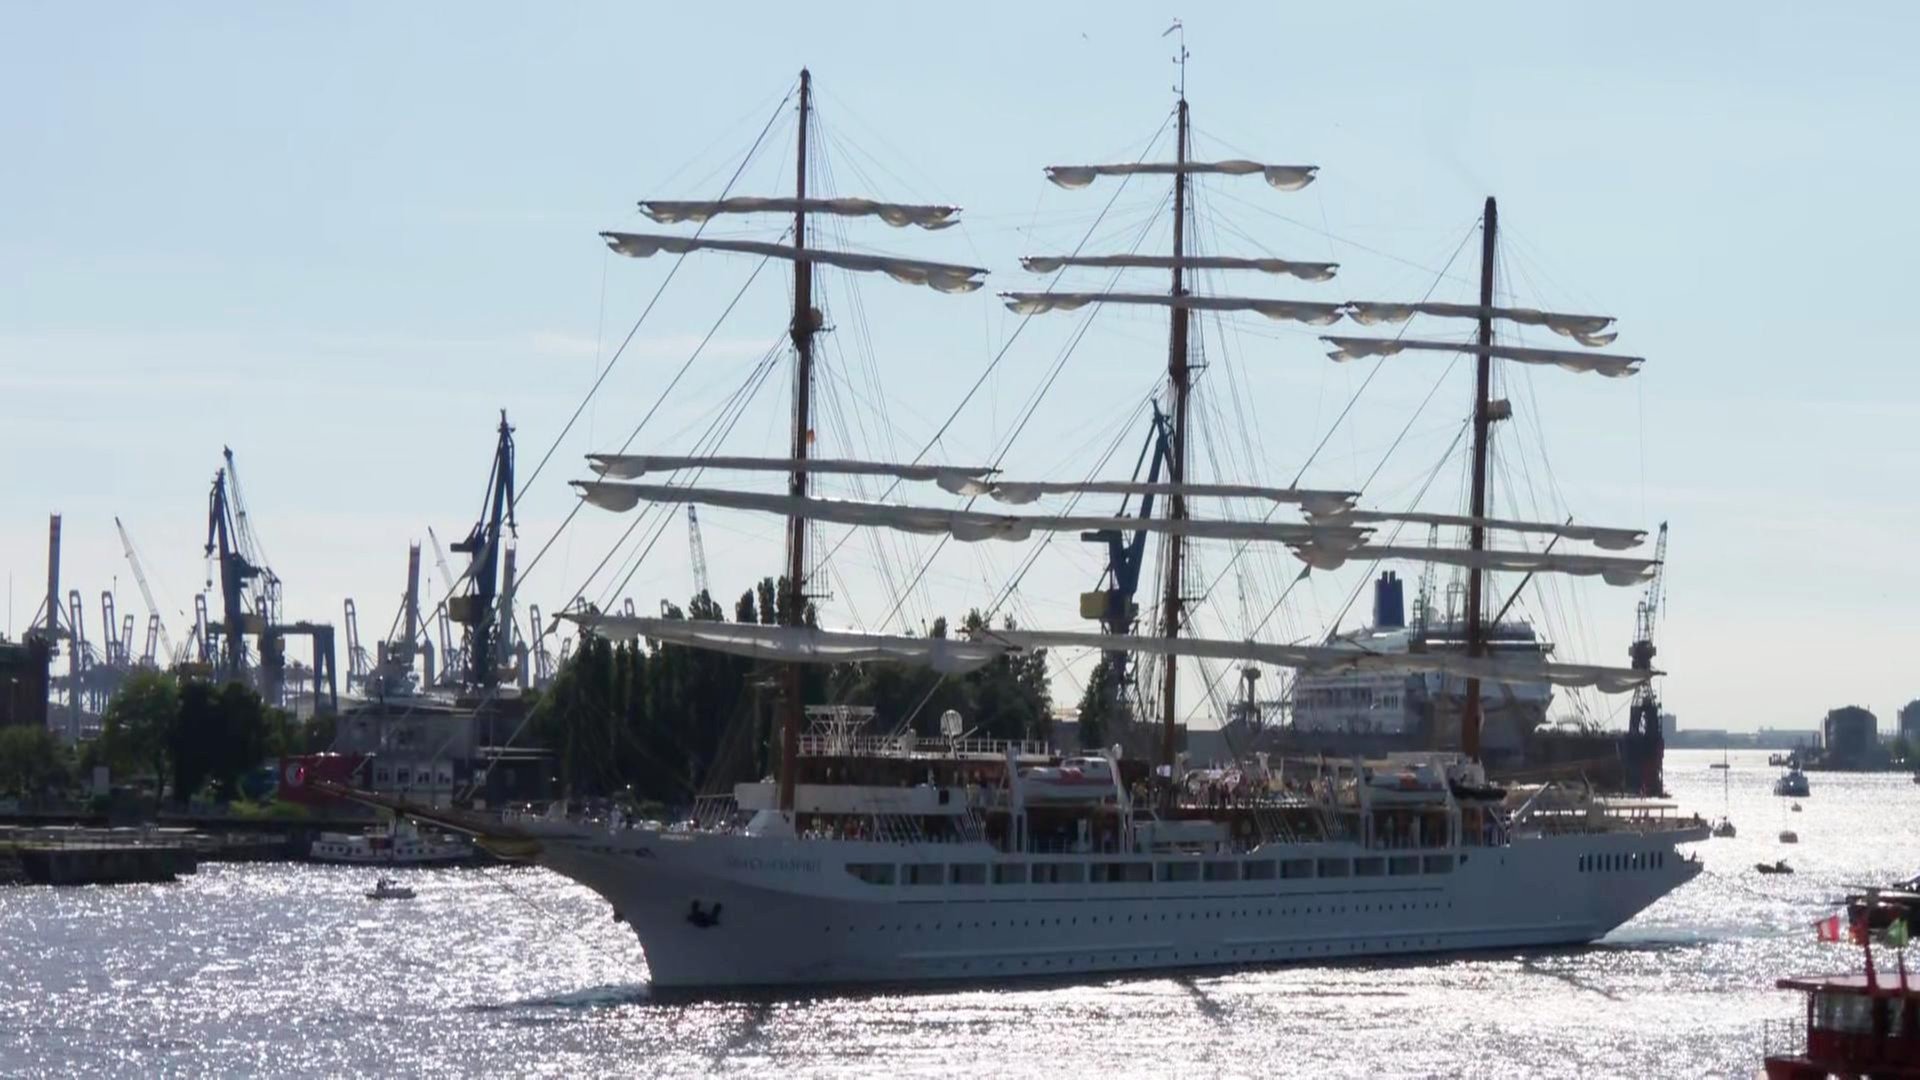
(287, 970)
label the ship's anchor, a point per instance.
(702, 917)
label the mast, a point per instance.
(802, 330)
(1177, 379)
(1477, 532)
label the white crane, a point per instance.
(699, 551)
(146, 593)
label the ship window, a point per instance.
(971, 873)
(1223, 871)
(1123, 871)
(1059, 873)
(872, 873)
(926, 873)
(1335, 867)
(1296, 868)
(1436, 864)
(1372, 866)
(1258, 870)
(1178, 871)
(1401, 865)
(1843, 1012)
(1010, 873)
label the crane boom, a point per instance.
(1650, 604)
(698, 548)
(146, 592)
(440, 560)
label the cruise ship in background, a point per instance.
(1390, 710)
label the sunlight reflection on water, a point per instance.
(288, 970)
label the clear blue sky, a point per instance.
(340, 237)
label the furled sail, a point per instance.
(1305, 271)
(633, 466)
(1614, 367)
(1284, 177)
(673, 212)
(1612, 539)
(1607, 680)
(1613, 569)
(1591, 330)
(1332, 658)
(1033, 303)
(942, 277)
(1322, 504)
(798, 644)
(965, 525)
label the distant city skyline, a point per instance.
(339, 239)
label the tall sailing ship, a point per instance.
(870, 855)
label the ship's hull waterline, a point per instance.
(718, 912)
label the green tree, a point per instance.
(219, 733)
(32, 761)
(1099, 709)
(137, 730)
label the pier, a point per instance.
(85, 856)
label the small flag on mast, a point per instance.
(1828, 929)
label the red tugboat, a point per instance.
(1856, 1025)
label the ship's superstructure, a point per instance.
(962, 860)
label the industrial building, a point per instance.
(1850, 739)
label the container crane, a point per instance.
(359, 664)
(149, 657)
(542, 656)
(110, 653)
(1646, 741)
(394, 664)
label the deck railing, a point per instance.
(834, 744)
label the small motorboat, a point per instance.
(1792, 783)
(1778, 866)
(1724, 829)
(385, 889)
(1795, 808)
(1788, 836)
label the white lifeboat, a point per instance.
(1088, 779)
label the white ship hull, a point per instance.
(719, 911)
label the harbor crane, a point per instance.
(451, 661)
(250, 604)
(359, 664)
(697, 548)
(486, 609)
(1646, 740)
(155, 621)
(244, 583)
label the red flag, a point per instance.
(1828, 928)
